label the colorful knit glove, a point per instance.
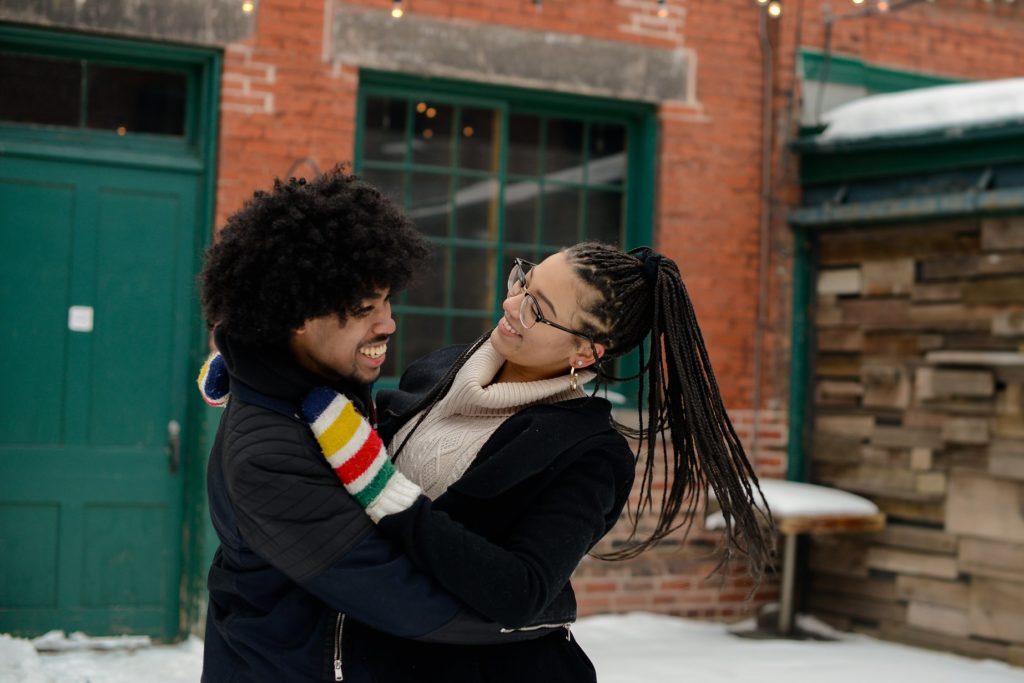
(213, 381)
(355, 451)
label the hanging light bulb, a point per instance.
(763, 2)
(775, 9)
(396, 10)
(662, 9)
(248, 7)
(883, 5)
(858, 2)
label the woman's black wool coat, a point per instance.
(506, 537)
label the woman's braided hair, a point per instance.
(641, 295)
(686, 432)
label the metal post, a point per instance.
(788, 581)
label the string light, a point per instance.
(775, 9)
(883, 5)
(858, 2)
(763, 2)
(662, 9)
(248, 7)
(396, 10)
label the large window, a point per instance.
(493, 174)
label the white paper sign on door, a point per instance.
(80, 318)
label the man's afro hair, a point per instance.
(304, 250)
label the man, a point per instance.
(298, 287)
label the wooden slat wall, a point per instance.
(919, 405)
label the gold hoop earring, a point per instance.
(574, 382)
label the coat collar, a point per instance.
(531, 440)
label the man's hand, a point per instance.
(357, 455)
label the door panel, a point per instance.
(134, 296)
(35, 243)
(92, 515)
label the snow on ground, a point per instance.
(648, 648)
(20, 663)
(627, 648)
(954, 107)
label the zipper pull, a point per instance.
(568, 631)
(338, 676)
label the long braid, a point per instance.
(678, 388)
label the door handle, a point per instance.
(173, 445)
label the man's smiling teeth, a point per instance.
(509, 328)
(375, 351)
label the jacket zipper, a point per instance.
(339, 625)
(567, 626)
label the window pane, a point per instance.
(607, 150)
(565, 148)
(432, 134)
(604, 216)
(388, 182)
(40, 90)
(384, 129)
(422, 334)
(477, 207)
(428, 289)
(430, 203)
(521, 200)
(561, 215)
(523, 144)
(135, 100)
(478, 132)
(468, 330)
(475, 277)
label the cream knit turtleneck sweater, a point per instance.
(444, 446)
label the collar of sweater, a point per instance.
(472, 393)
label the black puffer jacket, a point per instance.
(296, 552)
(506, 537)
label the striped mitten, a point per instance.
(213, 381)
(356, 453)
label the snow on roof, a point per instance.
(797, 499)
(945, 107)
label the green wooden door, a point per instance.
(95, 285)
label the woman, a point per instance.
(511, 473)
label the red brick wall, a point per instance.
(282, 104)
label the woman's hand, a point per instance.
(357, 455)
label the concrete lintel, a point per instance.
(560, 62)
(195, 22)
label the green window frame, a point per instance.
(471, 260)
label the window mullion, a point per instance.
(581, 229)
(501, 140)
(542, 162)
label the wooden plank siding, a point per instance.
(919, 405)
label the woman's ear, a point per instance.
(584, 356)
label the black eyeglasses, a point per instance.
(529, 310)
